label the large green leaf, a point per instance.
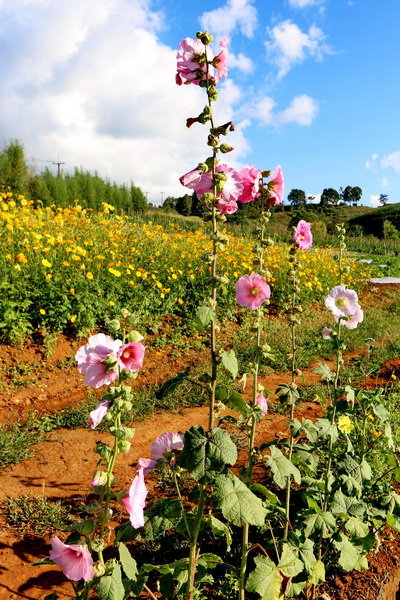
(230, 363)
(265, 580)
(206, 456)
(204, 316)
(128, 562)
(289, 563)
(110, 587)
(322, 523)
(327, 429)
(356, 527)
(282, 468)
(343, 505)
(220, 528)
(164, 515)
(168, 387)
(349, 555)
(238, 504)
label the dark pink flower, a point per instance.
(145, 465)
(130, 356)
(275, 186)
(164, 442)
(252, 290)
(97, 415)
(221, 60)
(135, 501)
(251, 179)
(262, 403)
(97, 360)
(74, 560)
(202, 183)
(191, 65)
(303, 235)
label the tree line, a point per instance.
(46, 188)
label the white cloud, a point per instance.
(393, 160)
(374, 200)
(302, 110)
(241, 62)
(289, 45)
(370, 163)
(314, 198)
(303, 3)
(385, 182)
(99, 91)
(235, 14)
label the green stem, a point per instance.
(194, 551)
(178, 491)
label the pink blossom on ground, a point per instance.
(145, 465)
(130, 356)
(342, 302)
(74, 560)
(251, 179)
(262, 403)
(135, 501)
(352, 321)
(97, 415)
(303, 235)
(252, 290)
(276, 186)
(164, 442)
(221, 60)
(92, 359)
(327, 333)
(189, 69)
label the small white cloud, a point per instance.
(370, 163)
(302, 110)
(289, 45)
(234, 14)
(303, 3)
(374, 200)
(314, 198)
(385, 182)
(393, 160)
(241, 62)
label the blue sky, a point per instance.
(313, 86)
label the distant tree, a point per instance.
(352, 195)
(13, 168)
(383, 199)
(330, 196)
(169, 203)
(390, 231)
(357, 193)
(138, 199)
(184, 205)
(297, 197)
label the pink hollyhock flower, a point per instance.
(130, 356)
(251, 179)
(303, 235)
(97, 415)
(74, 560)
(275, 186)
(226, 207)
(145, 465)
(327, 333)
(352, 321)
(342, 302)
(252, 290)
(262, 403)
(189, 68)
(135, 501)
(97, 360)
(191, 179)
(164, 442)
(202, 183)
(221, 60)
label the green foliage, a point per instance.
(16, 441)
(373, 221)
(36, 515)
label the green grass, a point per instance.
(17, 439)
(36, 515)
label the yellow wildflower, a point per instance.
(345, 425)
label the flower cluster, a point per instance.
(196, 61)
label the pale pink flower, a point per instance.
(327, 333)
(135, 501)
(303, 235)
(189, 68)
(130, 356)
(145, 465)
(252, 290)
(342, 302)
(226, 207)
(276, 186)
(352, 321)
(164, 442)
(97, 360)
(97, 415)
(74, 560)
(262, 403)
(251, 179)
(191, 179)
(221, 60)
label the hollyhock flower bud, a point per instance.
(262, 402)
(252, 290)
(276, 186)
(130, 356)
(97, 360)
(100, 478)
(303, 236)
(74, 560)
(135, 501)
(97, 415)
(134, 336)
(225, 148)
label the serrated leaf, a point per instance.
(265, 580)
(237, 403)
(204, 457)
(164, 515)
(204, 316)
(169, 387)
(289, 563)
(110, 587)
(393, 522)
(343, 505)
(125, 532)
(356, 527)
(221, 393)
(230, 363)
(324, 371)
(238, 504)
(128, 562)
(261, 489)
(323, 523)
(317, 575)
(349, 554)
(327, 429)
(381, 412)
(282, 468)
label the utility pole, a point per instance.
(58, 163)
(162, 194)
